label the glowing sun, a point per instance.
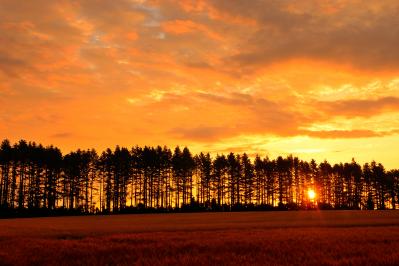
(311, 194)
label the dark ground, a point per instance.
(240, 238)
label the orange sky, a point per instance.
(318, 79)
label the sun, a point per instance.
(311, 194)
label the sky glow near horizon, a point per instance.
(317, 79)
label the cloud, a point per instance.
(360, 37)
(360, 108)
(199, 72)
(346, 134)
(232, 99)
(284, 119)
(10, 66)
(239, 114)
(201, 133)
(188, 26)
(62, 135)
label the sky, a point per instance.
(316, 79)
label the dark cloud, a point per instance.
(231, 99)
(362, 37)
(198, 64)
(360, 108)
(202, 133)
(62, 135)
(11, 66)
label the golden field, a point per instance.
(240, 238)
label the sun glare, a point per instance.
(311, 194)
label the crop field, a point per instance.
(241, 238)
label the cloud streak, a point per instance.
(362, 108)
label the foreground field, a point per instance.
(246, 238)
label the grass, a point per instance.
(243, 238)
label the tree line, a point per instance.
(38, 179)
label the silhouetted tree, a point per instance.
(35, 177)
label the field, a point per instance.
(244, 238)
